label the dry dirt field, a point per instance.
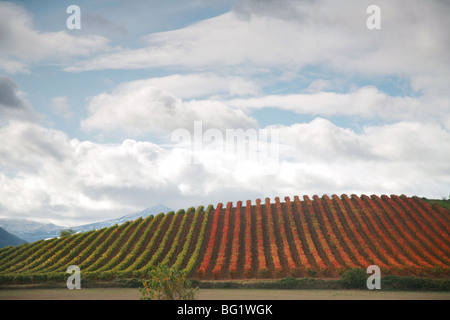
(222, 294)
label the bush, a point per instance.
(65, 233)
(355, 278)
(416, 284)
(288, 283)
(166, 283)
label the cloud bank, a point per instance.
(46, 173)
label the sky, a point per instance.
(143, 104)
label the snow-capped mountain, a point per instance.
(31, 231)
(130, 217)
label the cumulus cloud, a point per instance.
(45, 175)
(27, 146)
(12, 102)
(402, 141)
(405, 157)
(21, 44)
(48, 176)
(139, 108)
(320, 140)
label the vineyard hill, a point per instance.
(300, 237)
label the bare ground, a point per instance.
(222, 294)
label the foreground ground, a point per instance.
(222, 294)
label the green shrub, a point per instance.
(288, 283)
(166, 283)
(355, 278)
(415, 283)
(65, 233)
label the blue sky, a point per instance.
(87, 116)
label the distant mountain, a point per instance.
(32, 231)
(8, 239)
(130, 217)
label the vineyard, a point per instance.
(318, 237)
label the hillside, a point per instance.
(8, 239)
(318, 237)
(30, 230)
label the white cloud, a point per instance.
(199, 85)
(403, 141)
(47, 176)
(315, 32)
(405, 157)
(126, 165)
(321, 141)
(21, 44)
(138, 108)
(260, 37)
(28, 146)
(13, 104)
(367, 102)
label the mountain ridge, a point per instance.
(32, 231)
(8, 239)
